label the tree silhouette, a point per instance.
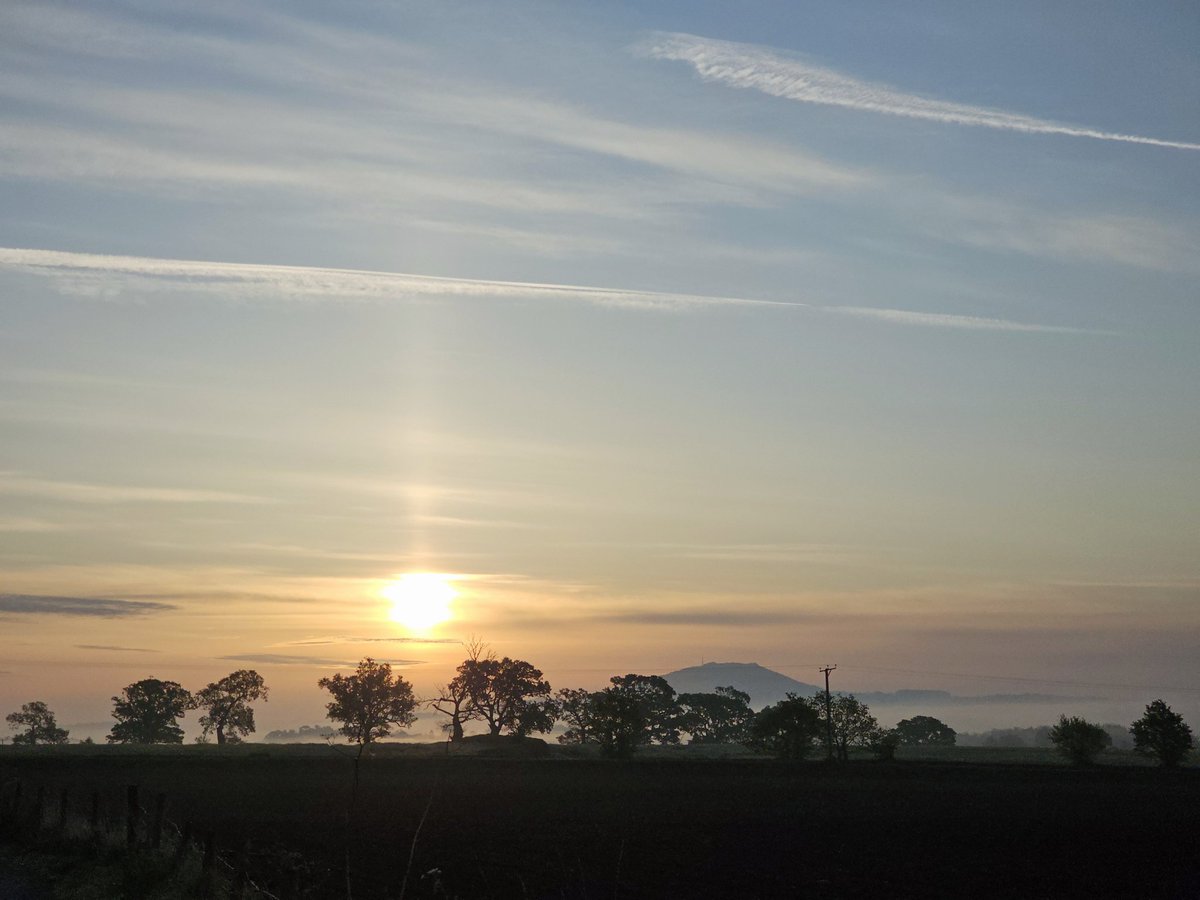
(147, 712)
(1162, 733)
(853, 724)
(576, 707)
(228, 705)
(618, 721)
(454, 697)
(720, 717)
(504, 693)
(925, 731)
(39, 724)
(657, 704)
(369, 702)
(1079, 740)
(787, 729)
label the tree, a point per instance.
(147, 712)
(39, 724)
(720, 717)
(227, 702)
(658, 709)
(787, 729)
(1162, 733)
(1078, 739)
(369, 702)
(577, 708)
(853, 724)
(925, 731)
(454, 697)
(503, 693)
(884, 743)
(618, 722)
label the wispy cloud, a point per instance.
(115, 647)
(87, 607)
(82, 492)
(947, 320)
(755, 67)
(100, 275)
(284, 659)
(89, 271)
(370, 640)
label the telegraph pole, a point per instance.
(828, 714)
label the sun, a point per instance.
(420, 600)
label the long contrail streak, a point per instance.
(753, 67)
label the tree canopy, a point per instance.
(1163, 734)
(369, 702)
(39, 724)
(506, 694)
(227, 704)
(720, 717)
(147, 712)
(1079, 740)
(853, 724)
(788, 729)
(925, 731)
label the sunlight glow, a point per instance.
(420, 600)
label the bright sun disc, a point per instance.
(419, 601)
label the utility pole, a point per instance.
(828, 714)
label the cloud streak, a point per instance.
(754, 67)
(87, 607)
(103, 275)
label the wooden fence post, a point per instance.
(94, 820)
(185, 842)
(39, 808)
(239, 876)
(132, 813)
(206, 866)
(160, 808)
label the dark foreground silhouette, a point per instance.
(676, 828)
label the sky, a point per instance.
(794, 333)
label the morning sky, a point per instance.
(782, 332)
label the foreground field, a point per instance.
(670, 826)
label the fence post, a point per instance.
(39, 808)
(64, 807)
(160, 808)
(206, 866)
(239, 875)
(132, 813)
(94, 820)
(185, 841)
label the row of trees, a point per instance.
(148, 712)
(512, 696)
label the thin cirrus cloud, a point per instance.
(116, 647)
(103, 276)
(285, 659)
(87, 607)
(16, 483)
(754, 67)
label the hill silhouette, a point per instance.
(765, 686)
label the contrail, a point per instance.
(751, 66)
(110, 276)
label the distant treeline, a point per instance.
(1038, 736)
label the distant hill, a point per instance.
(766, 686)
(763, 685)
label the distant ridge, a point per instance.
(765, 686)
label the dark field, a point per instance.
(675, 827)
